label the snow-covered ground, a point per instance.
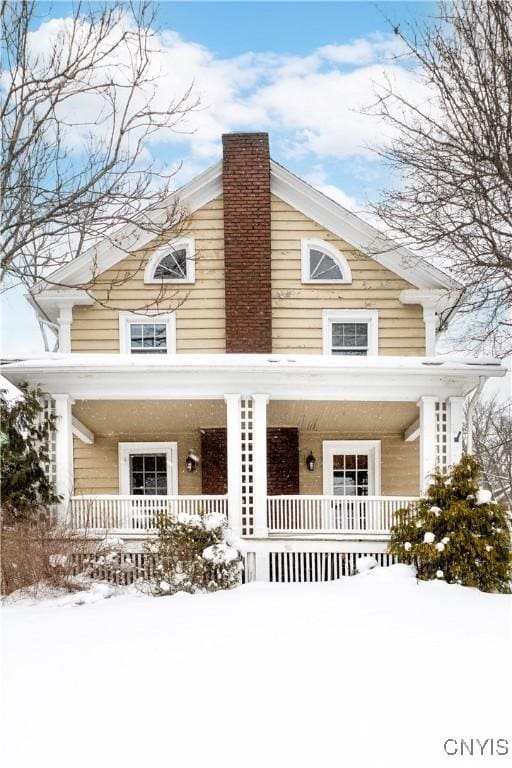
(373, 670)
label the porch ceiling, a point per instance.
(118, 417)
(346, 416)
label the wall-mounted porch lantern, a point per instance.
(191, 461)
(310, 462)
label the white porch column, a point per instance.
(454, 429)
(427, 406)
(234, 458)
(63, 452)
(259, 454)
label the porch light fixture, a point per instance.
(191, 461)
(310, 462)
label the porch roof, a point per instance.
(284, 377)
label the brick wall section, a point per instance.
(282, 460)
(246, 180)
(214, 469)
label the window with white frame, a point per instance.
(350, 332)
(153, 334)
(351, 467)
(148, 469)
(323, 263)
(173, 262)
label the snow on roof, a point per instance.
(105, 361)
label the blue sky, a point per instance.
(303, 71)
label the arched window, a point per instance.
(323, 263)
(172, 263)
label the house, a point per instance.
(290, 381)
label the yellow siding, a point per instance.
(297, 308)
(97, 471)
(200, 316)
(96, 466)
(399, 462)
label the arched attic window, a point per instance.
(323, 263)
(173, 262)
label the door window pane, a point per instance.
(350, 474)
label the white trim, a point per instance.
(105, 376)
(171, 452)
(370, 316)
(189, 244)
(306, 244)
(131, 318)
(454, 429)
(234, 460)
(370, 447)
(64, 323)
(63, 451)
(82, 432)
(259, 448)
(427, 406)
(412, 432)
(434, 303)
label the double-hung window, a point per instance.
(350, 332)
(153, 334)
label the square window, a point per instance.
(148, 337)
(350, 332)
(349, 338)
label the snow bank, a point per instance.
(376, 669)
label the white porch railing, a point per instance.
(137, 513)
(333, 514)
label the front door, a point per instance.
(351, 469)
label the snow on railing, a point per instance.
(333, 514)
(137, 513)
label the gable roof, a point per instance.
(289, 188)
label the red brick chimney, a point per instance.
(246, 178)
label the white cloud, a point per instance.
(312, 102)
(366, 50)
(318, 178)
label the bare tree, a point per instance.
(81, 103)
(492, 445)
(452, 152)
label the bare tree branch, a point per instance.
(492, 444)
(78, 112)
(452, 153)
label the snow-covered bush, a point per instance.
(108, 558)
(194, 553)
(456, 533)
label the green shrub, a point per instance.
(194, 553)
(456, 532)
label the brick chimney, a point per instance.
(246, 179)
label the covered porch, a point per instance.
(296, 447)
(335, 469)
